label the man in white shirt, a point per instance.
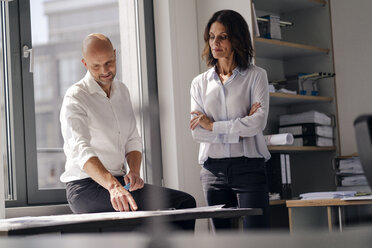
(100, 136)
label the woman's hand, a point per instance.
(254, 108)
(201, 120)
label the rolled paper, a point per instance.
(279, 139)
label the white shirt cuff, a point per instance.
(222, 127)
(133, 146)
(85, 156)
(230, 138)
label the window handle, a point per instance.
(27, 52)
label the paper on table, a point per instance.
(357, 198)
(279, 139)
(39, 221)
(327, 195)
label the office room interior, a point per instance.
(158, 47)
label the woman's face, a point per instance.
(219, 42)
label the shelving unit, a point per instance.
(285, 6)
(277, 202)
(290, 149)
(282, 99)
(276, 49)
(305, 47)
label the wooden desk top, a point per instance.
(324, 203)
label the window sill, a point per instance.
(37, 210)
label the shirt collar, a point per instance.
(240, 71)
(94, 87)
(212, 74)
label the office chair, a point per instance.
(363, 134)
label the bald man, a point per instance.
(100, 137)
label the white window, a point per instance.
(30, 138)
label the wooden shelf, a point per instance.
(285, 6)
(300, 148)
(277, 202)
(282, 99)
(277, 49)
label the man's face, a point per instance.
(101, 64)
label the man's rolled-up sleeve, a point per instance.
(75, 132)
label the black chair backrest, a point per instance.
(363, 134)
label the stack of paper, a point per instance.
(354, 180)
(350, 165)
(285, 91)
(350, 175)
(327, 195)
(305, 117)
(357, 198)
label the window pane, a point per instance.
(58, 28)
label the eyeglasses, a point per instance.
(218, 38)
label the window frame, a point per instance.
(34, 194)
(23, 106)
(16, 103)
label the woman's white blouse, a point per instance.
(234, 134)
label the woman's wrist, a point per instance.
(210, 126)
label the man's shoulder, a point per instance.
(77, 89)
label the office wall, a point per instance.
(352, 40)
(177, 64)
(2, 193)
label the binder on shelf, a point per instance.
(271, 28)
(279, 175)
(287, 190)
(312, 141)
(308, 129)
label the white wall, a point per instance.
(2, 193)
(129, 58)
(177, 64)
(352, 44)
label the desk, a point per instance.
(328, 203)
(113, 221)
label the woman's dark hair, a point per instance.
(238, 34)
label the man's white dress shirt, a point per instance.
(94, 125)
(234, 134)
